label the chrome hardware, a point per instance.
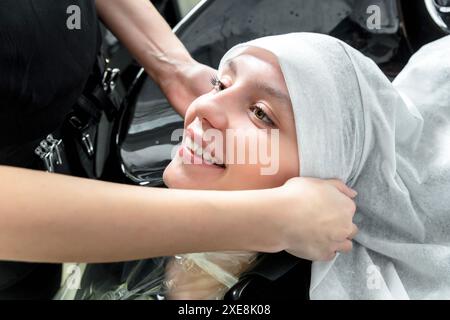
(110, 78)
(49, 151)
(87, 143)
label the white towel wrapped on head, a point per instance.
(390, 142)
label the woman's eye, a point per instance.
(217, 84)
(261, 115)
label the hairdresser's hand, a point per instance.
(190, 80)
(320, 214)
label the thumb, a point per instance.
(342, 187)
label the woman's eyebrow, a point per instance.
(267, 88)
(270, 91)
(230, 64)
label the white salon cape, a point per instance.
(390, 142)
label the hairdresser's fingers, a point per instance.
(345, 233)
(330, 256)
(353, 233)
(345, 246)
(342, 187)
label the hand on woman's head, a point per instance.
(323, 218)
(190, 80)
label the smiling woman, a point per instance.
(249, 98)
(247, 107)
(45, 65)
(343, 119)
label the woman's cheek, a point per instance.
(289, 159)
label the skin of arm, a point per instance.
(145, 33)
(54, 218)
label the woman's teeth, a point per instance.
(199, 151)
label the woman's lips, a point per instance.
(190, 157)
(195, 138)
(198, 151)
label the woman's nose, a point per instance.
(210, 111)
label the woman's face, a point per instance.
(241, 135)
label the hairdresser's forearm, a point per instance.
(53, 218)
(141, 28)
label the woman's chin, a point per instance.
(170, 177)
(181, 176)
